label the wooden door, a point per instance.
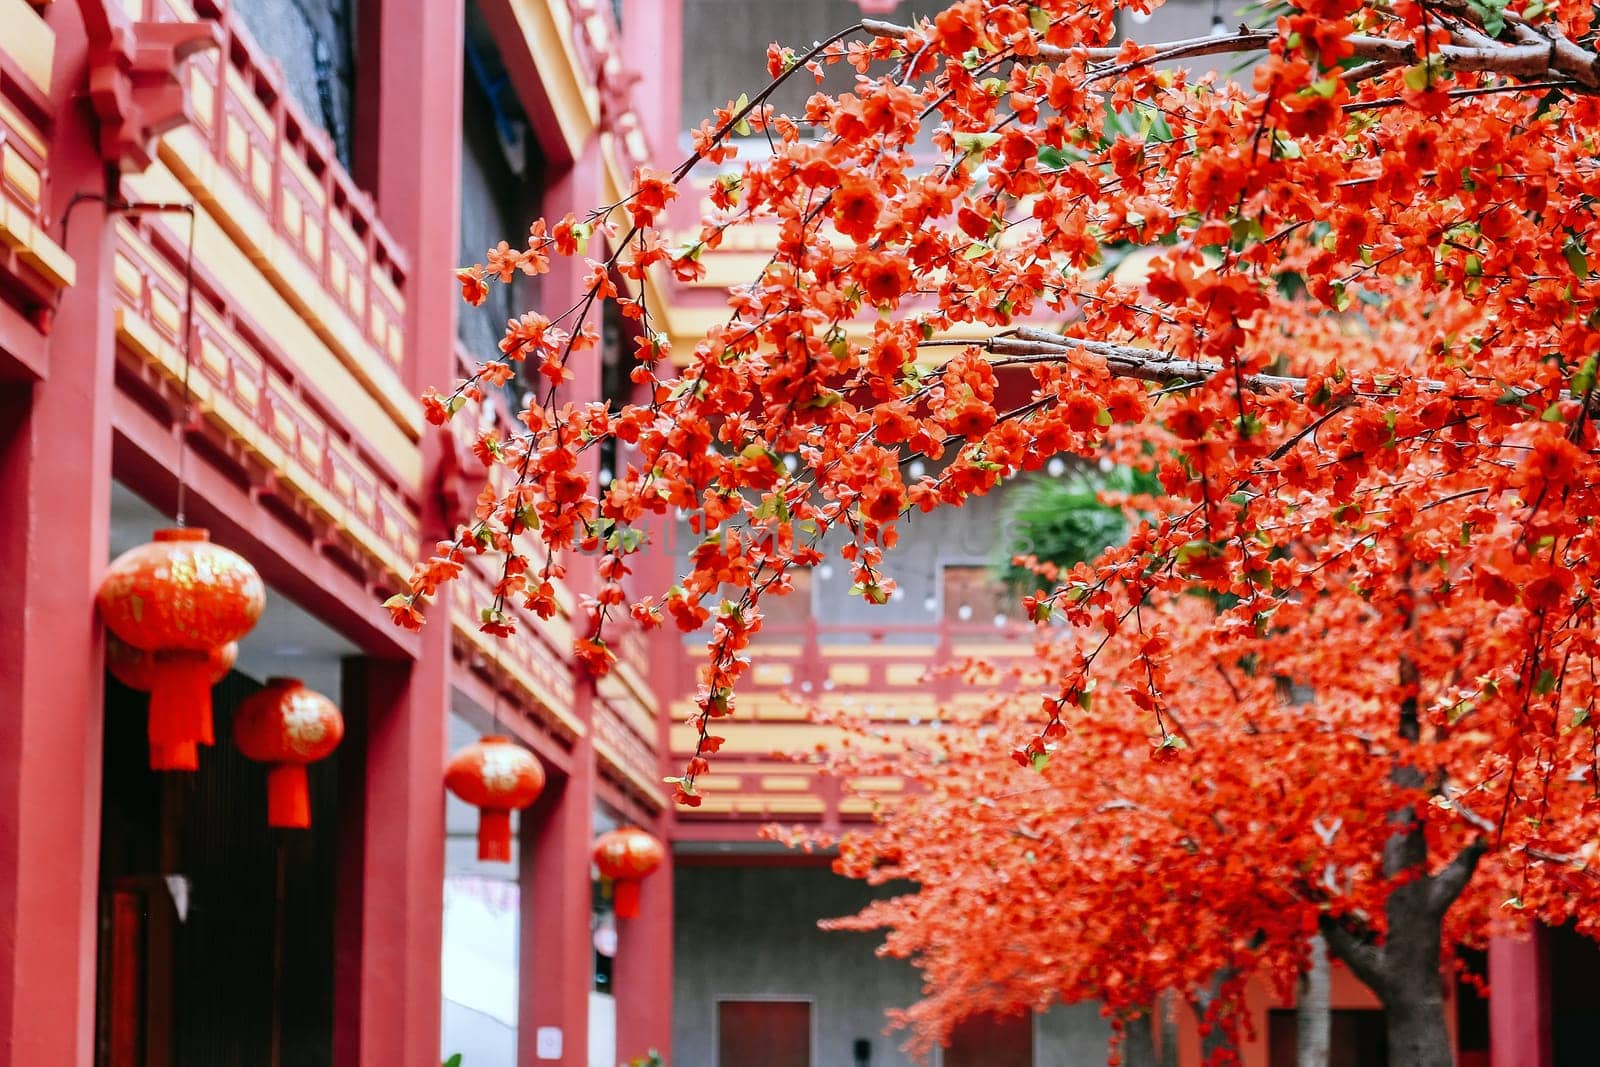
(764, 1033)
(991, 1041)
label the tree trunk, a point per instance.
(1169, 1029)
(1313, 1020)
(1405, 970)
(1418, 1036)
(1139, 1042)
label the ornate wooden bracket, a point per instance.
(135, 84)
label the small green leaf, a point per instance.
(453, 1061)
(1583, 381)
(1416, 78)
(1039, 19)
(742, 127)
(1576, 259)
(975, 144)
(1052, 158)
(1041, 760)
(1546, 683)
(1552, 414)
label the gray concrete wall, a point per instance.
(1070, 1035)
(751, 932)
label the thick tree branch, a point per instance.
(1446, 886)
(1537, 52)
(1361, 956)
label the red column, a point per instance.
(652, 47)
(642, 974)
(55, 491)
(408, 152)
(1519, 1001)
(391, 886)
(557, 957)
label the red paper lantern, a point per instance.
(180, 598)
(134, 667)
(288, 726)
(627, 856)
(496, 776)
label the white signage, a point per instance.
(547, 1043)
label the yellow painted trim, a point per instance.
(29, 41)
(22, 174)
(22, 128)
(881, 783)
(18, 233)
(193, 168)
(649, 789)
(547, 29)
(487, 646)
(252, 292)
(140, 338)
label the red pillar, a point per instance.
(642, 973)
(1519, 1001)
(55, 492)
(652, 46)
(391, 886)
(408, 152)
(557, 957)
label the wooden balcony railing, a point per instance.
(289, 169)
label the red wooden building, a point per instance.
(227, 239)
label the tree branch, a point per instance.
(1537, 53)
(1361, 956)
(1446, 886)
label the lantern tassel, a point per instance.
(180, 698)
(627, 898)
(184, 756)
(288, 799)
(494, 835)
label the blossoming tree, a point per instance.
(1363, 365)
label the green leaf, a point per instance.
(1552, 414)
(1580, 716)
(1546, 683)
(975, 144)
(1052, 158)
(742, 127)
(1584, 380)
(1416, 78)
(1039, 19)
(1041, 760)
(1576, 259)
(453, 1061)
(1492, 13)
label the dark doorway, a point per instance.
(991, 1041)
(764, 1033)
(1357, 1038)
(1574, 1012)
(216, 933)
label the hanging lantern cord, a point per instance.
(188, 364)
(149, 207)
(494, 700)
